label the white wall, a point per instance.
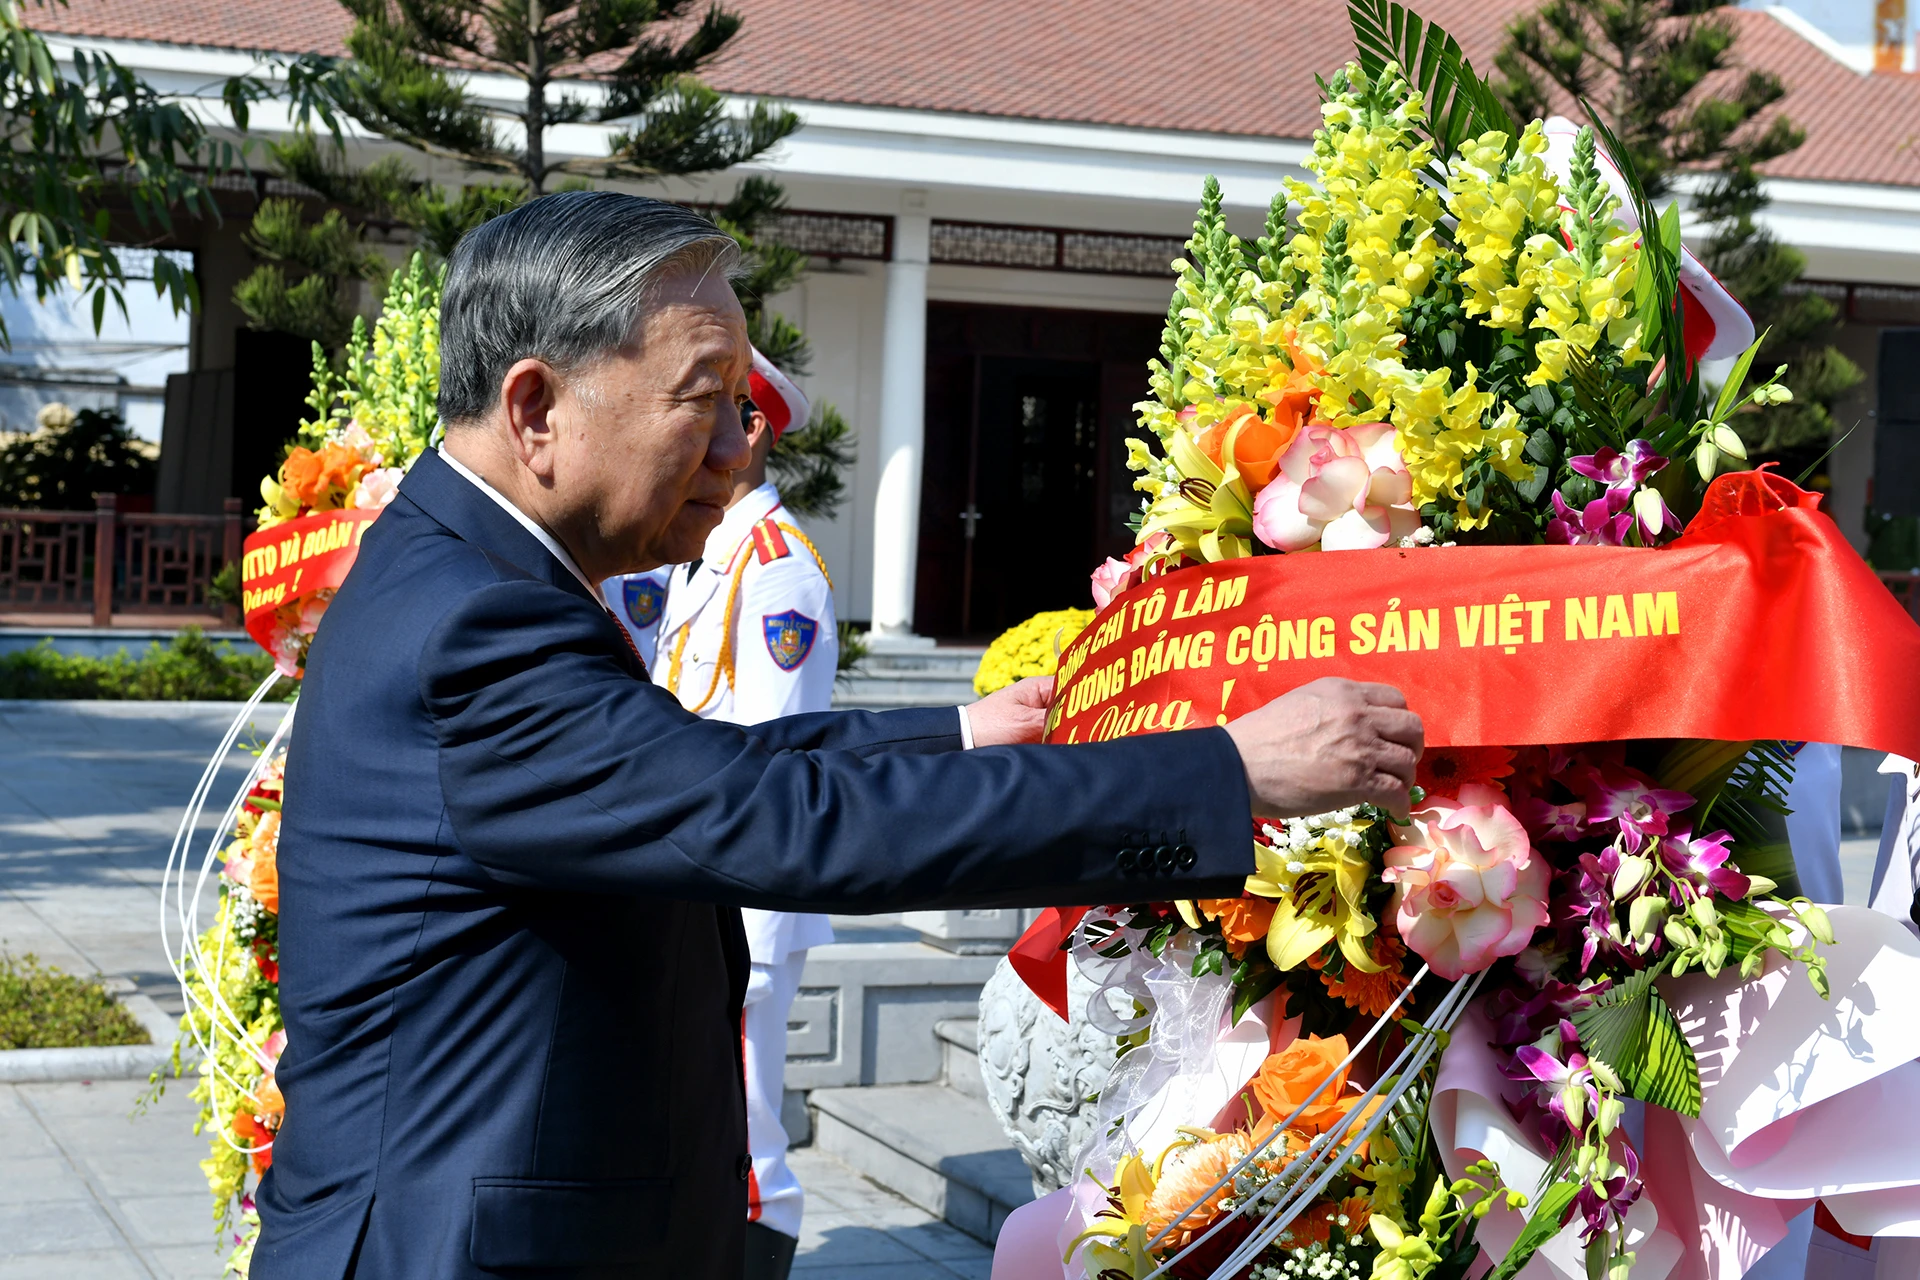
(137, 350)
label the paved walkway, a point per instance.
(90, 1192)
(90, 794)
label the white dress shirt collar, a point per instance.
(527, 522)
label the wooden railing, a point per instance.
(50, 561)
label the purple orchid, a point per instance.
(1622, 795)
(1552, 1081)
(1617, 470)
(1553, 821)
(1704, 863)
(1604, 522)
(1517, 1021)
(1603, 1214)
(1591, 906)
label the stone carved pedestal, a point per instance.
(1039, 1072)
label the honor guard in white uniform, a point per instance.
(636, 600)
(746, 633)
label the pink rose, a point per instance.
(1467, 886)
(1111, 579)
(1344, 488)
(377, 487)
(1115, 577)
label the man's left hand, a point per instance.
(1011, 716)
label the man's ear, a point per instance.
(528, 393)
(759, 435)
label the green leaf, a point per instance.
(1614, 1027)
(1248, 994)
(1735, 380)
(1459, 103)
(1543, 1224)
(1671, 1075)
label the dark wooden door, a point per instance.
(1024, 488)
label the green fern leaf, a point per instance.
(1460, 105)
(1670, 1074)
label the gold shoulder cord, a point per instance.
(727, 662)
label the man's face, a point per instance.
(654, 431)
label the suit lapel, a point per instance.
(452, 500)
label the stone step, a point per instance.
(883, 695)
(957, 660)
(931, 1145)
(960, 1055)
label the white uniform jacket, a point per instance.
(636, 600)
(748, 634)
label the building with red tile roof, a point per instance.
(992, 190)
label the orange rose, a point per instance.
(300, 475)
(1286, 1079)
(1256, 449)
(319, 481)
(263, 880)
(1243, 921)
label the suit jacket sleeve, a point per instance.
(561, 770)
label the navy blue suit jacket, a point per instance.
(511, 960)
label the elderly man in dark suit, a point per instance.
(512, 963)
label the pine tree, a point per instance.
(1661, 73)
(608, 61)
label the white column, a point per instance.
(903, 383)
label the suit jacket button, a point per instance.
(1188, 857)
(1167, 857)
(746, 1167)
(1125, 859)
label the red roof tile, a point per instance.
(1225, 66)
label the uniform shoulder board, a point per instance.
(769, 544)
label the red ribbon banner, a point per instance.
(290, 561)
(1759, 622)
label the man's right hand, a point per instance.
(1327, 745)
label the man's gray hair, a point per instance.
(560, 279)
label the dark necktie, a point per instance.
(632, 648)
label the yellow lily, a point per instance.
(1210, 514)
(1318, 903)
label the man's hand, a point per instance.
(1327, 745)
(1012, 716)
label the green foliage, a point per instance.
(398, 83)
(43, 1008)
(84, 139)
(1631, 1029)
(299, 288)
(1895, 541)
(74, 456)
(1662, 75)
(1753, 807)
(1799, 326)
(853, 649)
(1460, 105)
(1646, 66)
(1543, 1224)
(809, 464)
(191, 669)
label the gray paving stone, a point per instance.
(56, 1226)
(89, 798)
(89, 1264)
